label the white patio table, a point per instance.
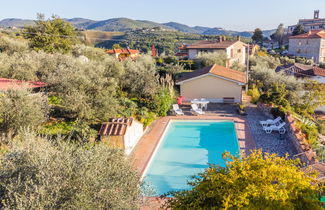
(203, 103)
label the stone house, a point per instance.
(310, 24)
(310, 45)
(235, 49)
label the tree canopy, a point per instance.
(52, 35)
(39, 173)
(258, 36)
(299, 29)
(258, 181)
(279, 34)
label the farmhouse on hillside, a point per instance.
(235, 49)
(123, 54)
(215, 83)
(310, 45)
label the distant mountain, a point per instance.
(126, 24)
(81, 23)
(15, 22)
(182, 27)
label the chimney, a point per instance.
(224, 38)
(238, 38)
(220, 38)
(316, 14)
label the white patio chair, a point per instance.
(196, 109)
(269, 122)
(280, 128)
(177, 110)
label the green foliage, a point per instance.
(19, 109)
(161, 102)
(254, 93)
(258, 181)
(238, 66)
(57, 128)
(208, 59)
(258, 36)
(52, 35)
(116, 46)
(10, 45)
(279, 34)
(311, 133)
(165, 41)
(299, 29)
(38, 174)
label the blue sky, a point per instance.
(229, 14)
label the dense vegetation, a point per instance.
(39, 173)
(259, 181)
(165, 41)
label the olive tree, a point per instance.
(19, 108)
(208, 59)
(38, 173)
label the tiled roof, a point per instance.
(211, 44)
(216, 70)
(6, 84)
(313, 34)
(301, 70)
(122, 51)
(115, 126)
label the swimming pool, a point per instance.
(185, 149)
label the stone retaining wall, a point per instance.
(306, 154)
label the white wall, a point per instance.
(132, 136)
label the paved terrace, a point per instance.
(249, 132)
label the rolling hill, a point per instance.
(126, 24)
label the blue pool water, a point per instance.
(186, 149)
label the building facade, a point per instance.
(234, 49)
(310, 45)
(310, 24)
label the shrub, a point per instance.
(9, 45)
(311, 133)
(258, 181)
(254, 93)
(19, 108)
(66, 176)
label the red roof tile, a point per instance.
(6, 84)
(122, 51)
(301, 70)
(216, 70)
(313, 34)
(115, 127)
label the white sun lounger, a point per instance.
(177, 110)
(269, 122)
(280, 128)
(196, 109)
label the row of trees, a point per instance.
(278, 36)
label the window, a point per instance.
(299, 43)
(239, 51)
(299, 51)
(232, 53)
(307, 42)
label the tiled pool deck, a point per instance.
(249, 133)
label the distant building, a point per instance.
(121, 133)
(303, 71)
(235, 50)
(310, 45)
(123, 54)
(310, 24)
